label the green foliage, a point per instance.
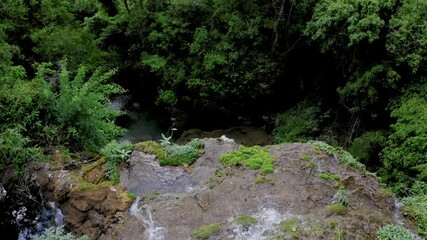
(179, 154)
(77, 46)
(394, 232)
(407, 38)
(82, 107)
(264, 179)
(251, 157)
(329, 176)
(132, 196)
(151, 147)
(367, 148)
(165, 141)
(346, 23)
(337, 208)
(58, 233)
(204, 54)
(415, 208)
(245, 220)
(204, 232)
(182, 154)
(197, 143)
(373, 83)
(16, 149)
(115, 154)
(305, 157)
(342, 197)
(290, 227)
(344, 156)
(405, 155)
(298, 124)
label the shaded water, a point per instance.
(140, 124)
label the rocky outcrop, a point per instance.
(292, 202)
(87, 203)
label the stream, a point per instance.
(140, 124)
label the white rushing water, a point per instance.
(145, 215)
(48, 218)
(268, 220)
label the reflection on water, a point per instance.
(140, 125)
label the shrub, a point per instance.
(405, 156)
(115, 154)
(415, 208)
(298, 124)
(394, 232)
(178, 154)
(182, 154)
(342, 197)
(16, 149)
(82, 107)
(368, 147)
(58, 233)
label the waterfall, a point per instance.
(144, 214)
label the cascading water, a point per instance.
(49, 217)
(144, 215)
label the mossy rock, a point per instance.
(337, 209)
(151, 147)
(245, 220)
(206, 231)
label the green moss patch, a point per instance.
(132, 196)
(151, 147)
(150, 196)
(337, 209)
(264, 179)
(291, 227)
(329, 176)
(245, 220)
(206, 231)
(251, 157)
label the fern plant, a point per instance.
(82, 110)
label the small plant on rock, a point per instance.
(245, 220)
(394, 232)
(115, 154)
(204, 232)
(182, 154)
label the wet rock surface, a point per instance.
(292, 202)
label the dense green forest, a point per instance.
(351, 73)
